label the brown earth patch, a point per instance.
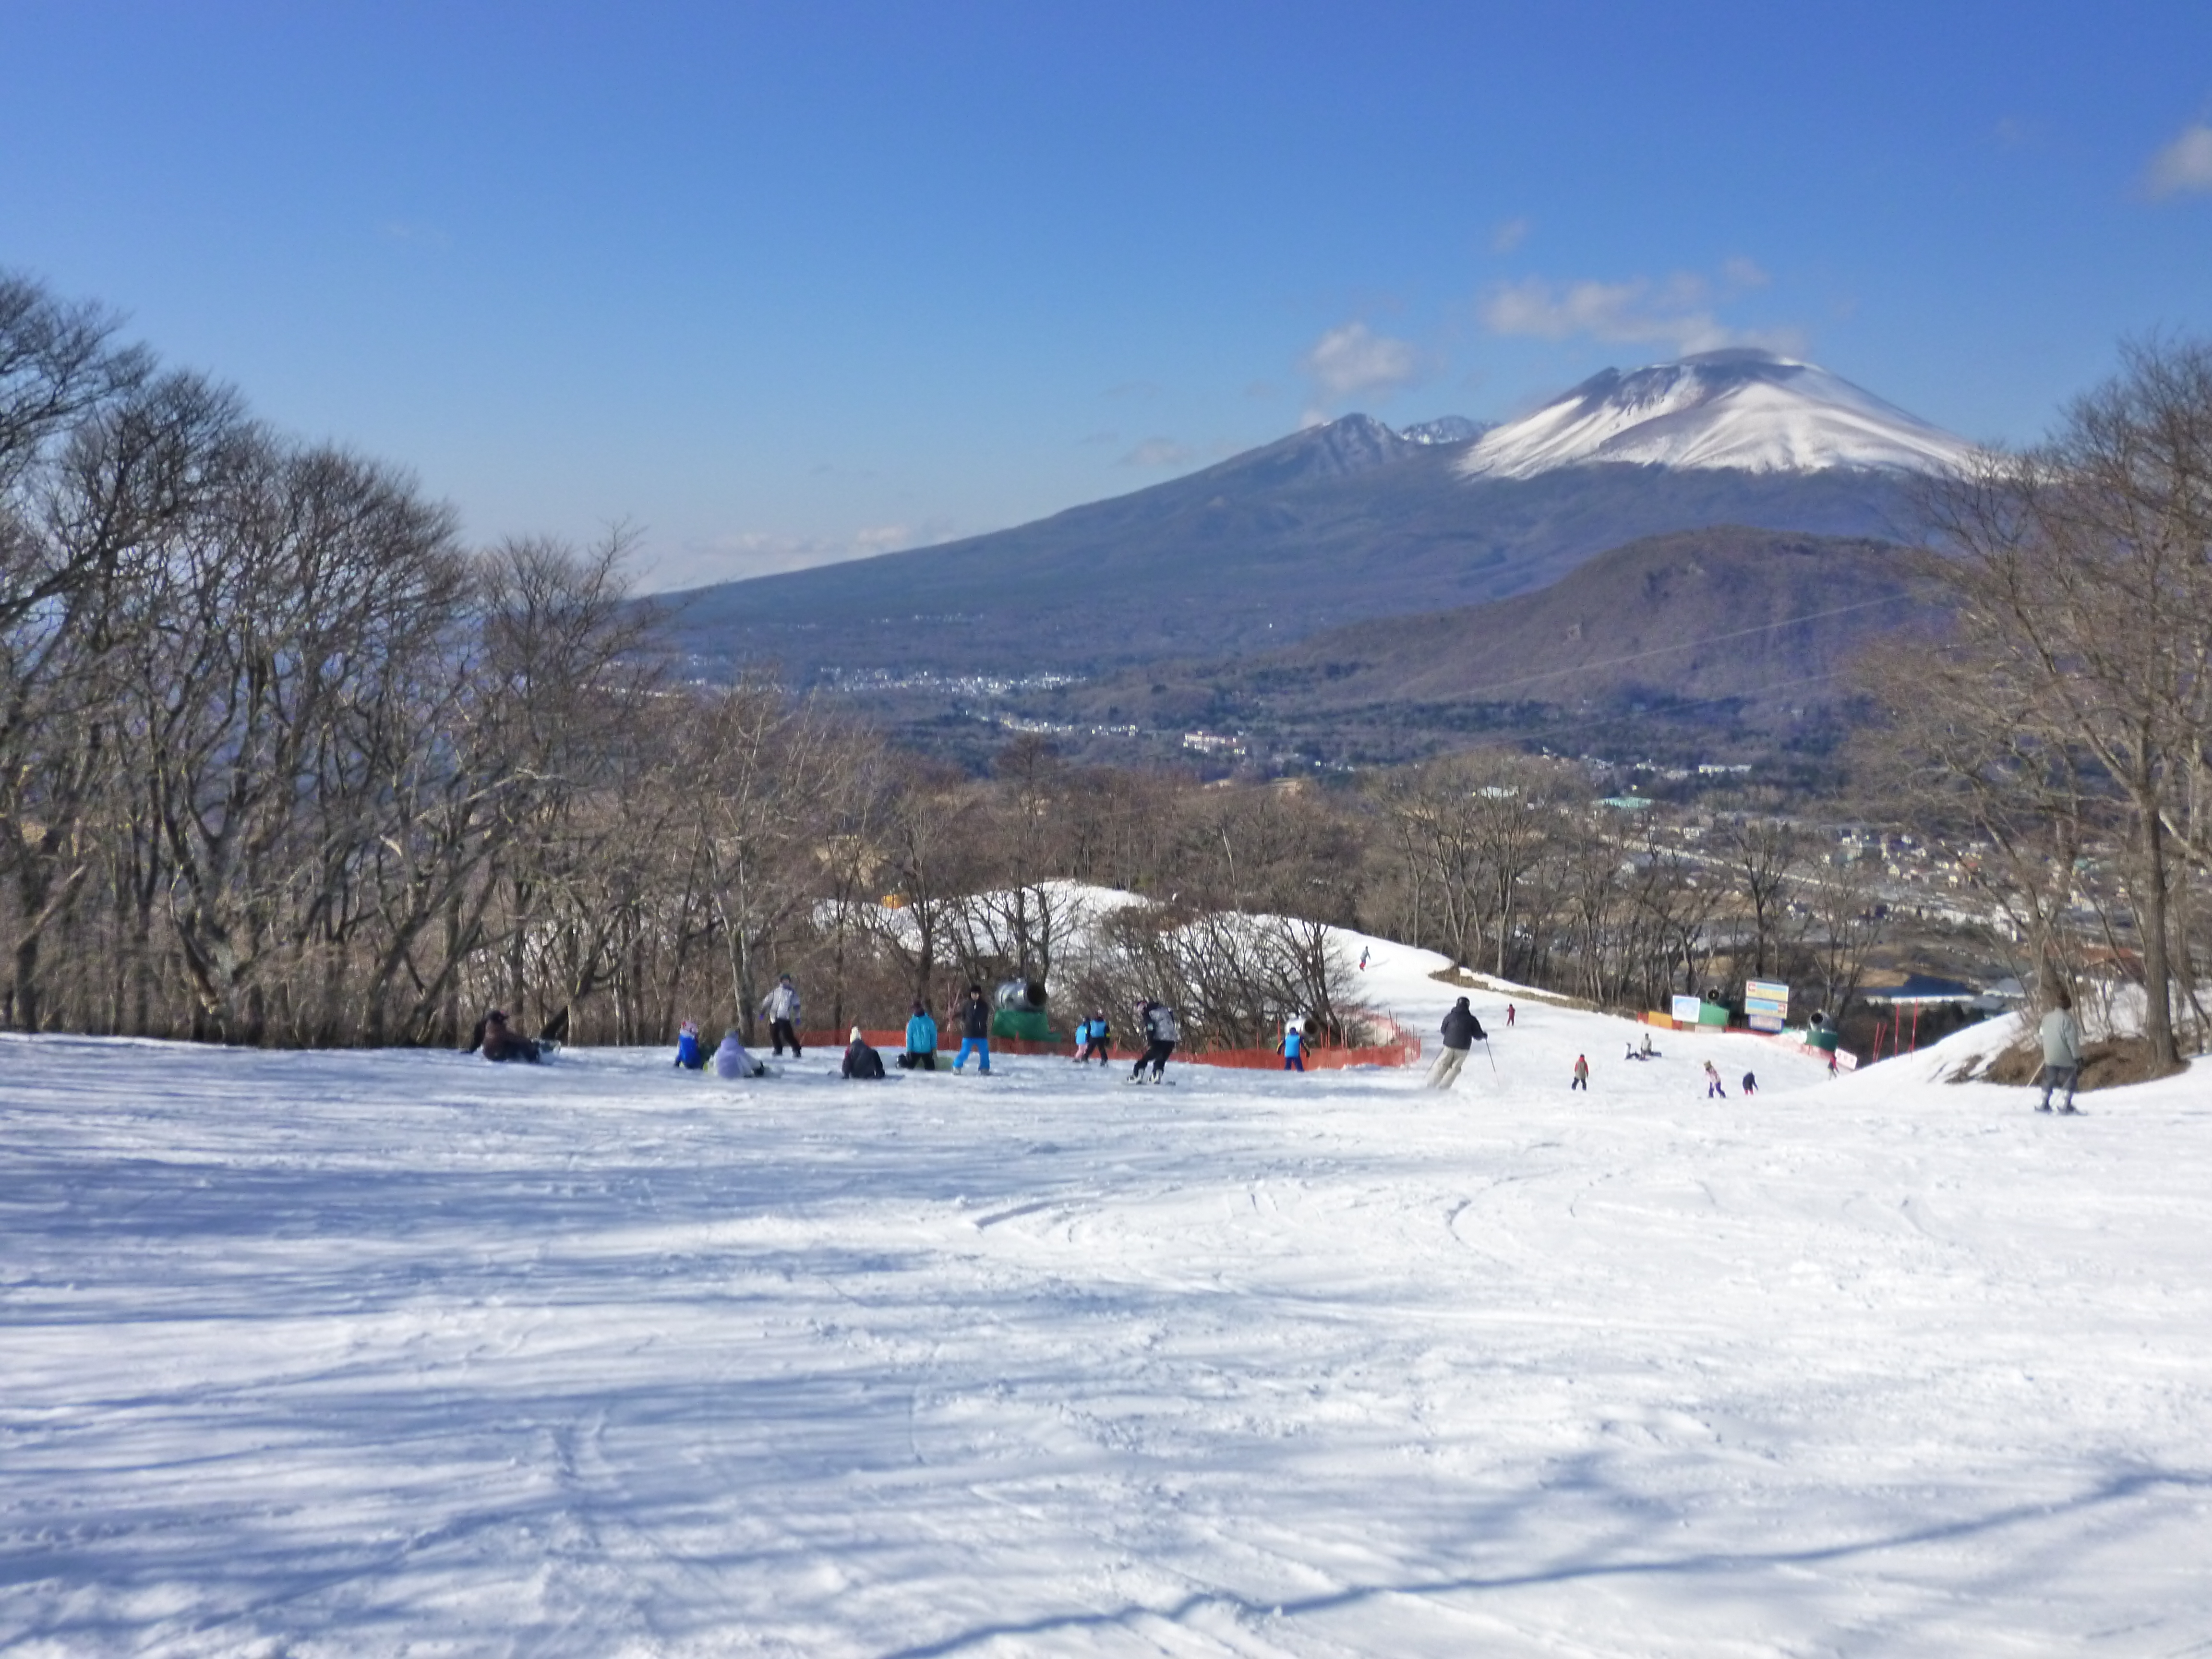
(2107, 1065)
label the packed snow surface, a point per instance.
(314, 1354)
(1720, 409)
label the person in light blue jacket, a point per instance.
(921, 1053)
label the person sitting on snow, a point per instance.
(689, 1055)
(921, 1053)
(861, 1061)
(731, 1060)
(501, 1043)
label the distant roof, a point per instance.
(1921, 988)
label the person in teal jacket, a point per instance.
(921, 1053)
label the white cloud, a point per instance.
(2184, 167)
(1677, 311)
(1509, 235)
(1352, 360)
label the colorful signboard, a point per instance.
(1685, 1009)
(1766, 1003)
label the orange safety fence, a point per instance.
(1398, 1048)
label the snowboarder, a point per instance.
(1750, 1084)
(921, 1053)
(861, 1061)
(1582, 1075)
(1159, 1022)
(501, 1043)
(975, 1030)
(688, 1052)
(1362, 958)
(731, 1060)
(1292, 1047)
(2062, 1053)
(1713, 1089)
(782, 1007)
(1461, 1031)
(1509, 1016)
(1094, 1034)
(1648, 1051)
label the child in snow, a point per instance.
(1293, 1046)
(1160, 1036)
(921, 1053)
(1713, 1082)
(1508, 1014)
(688, 1053)
(782, 1007)
(1094, 1035)
(974, 1031)
(1750, 1084)
(499, 1042)
(731, 1060)
(1582, 1075)
(860, 1060)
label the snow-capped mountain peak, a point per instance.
(1744, 409)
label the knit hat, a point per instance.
(855, 1038)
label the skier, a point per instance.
(687, 1054)
(921, 1053)
(1362, 958)
(501, 1043)
(861, 1061)
(1509, 1016)
(1095, 1034)
(1461, 1031)
(1750, 1084)
(975, 1030)
(1159, 1022)
(1292, 1047)
(2062, 1053)
(1713, 1082)
(782, 1007)
(1582, 1075)
(731, 1060)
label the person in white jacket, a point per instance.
(2062, 1053)
(782, 1007)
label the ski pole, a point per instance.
(1489, 1056)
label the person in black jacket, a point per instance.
(1461, 1031)
(502, 1043)
(860, 1060)
(975, 1030)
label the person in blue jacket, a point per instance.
(921, 1053)
(688, 1052)
(1293, 1046)
(1095, 1034)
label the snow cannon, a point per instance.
(1020, 1011)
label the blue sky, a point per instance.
(778, 284)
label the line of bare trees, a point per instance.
(283, 761)
(2066, 723)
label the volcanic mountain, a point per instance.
(1343, 522)
(1737, 408)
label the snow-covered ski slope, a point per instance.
(346, 1354)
